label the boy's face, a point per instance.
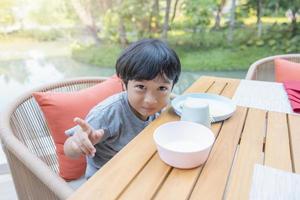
(148, 97)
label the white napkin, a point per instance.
(263, 95)
(273, 184)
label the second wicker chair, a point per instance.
(263, 69)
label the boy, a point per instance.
(148, 69)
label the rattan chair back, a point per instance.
(28, 145)
(263, 69)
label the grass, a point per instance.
(222, 59)
(206, 50)
(266, 20)
(192, 60)
(104, 56)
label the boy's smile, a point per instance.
(146, 97)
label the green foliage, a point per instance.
(212, 38)
(39, 35)
(209, 50)
(197, 16)
(222, 59)
(104, 56)
(278, 38)
(294, 4)
(110, 24)
(135, 15)
(200, 47)
(192, 59)
(55, 11)
(205, 39)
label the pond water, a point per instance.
(18, 76)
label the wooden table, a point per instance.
(250, 136)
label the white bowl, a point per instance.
(183, 144)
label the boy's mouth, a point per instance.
(148, 110)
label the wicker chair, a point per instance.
(264, 69)
(30, 150)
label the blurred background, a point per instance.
(43, 41)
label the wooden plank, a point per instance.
(154, 173)
(201, 85)
(225, 79)
(294, 122)
(230, 88)
(228, 91)
(217, 87)
(212, 180)
(250, 151)
(178, 184)
(277, 150)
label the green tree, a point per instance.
(154, 24)
(294, 7)
(220, 5)
(258, 6)
(197, 14)
(166, 20)
(83, 9)
(231, 21)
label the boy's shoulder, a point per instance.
(107, 109)
(112, 102)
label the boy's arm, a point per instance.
(82, 142)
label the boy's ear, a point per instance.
(124, 86)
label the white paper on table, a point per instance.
(263, 95)
(272, 184)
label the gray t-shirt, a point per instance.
(120, 126)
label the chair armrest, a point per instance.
(55, 183)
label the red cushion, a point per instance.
(60, 108)
(286, 70)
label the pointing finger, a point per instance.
(83, 124)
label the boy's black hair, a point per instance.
(147, 58)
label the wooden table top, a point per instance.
(250, 136)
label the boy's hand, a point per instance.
(83, 141)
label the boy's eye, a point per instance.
(162, 88)
(141, 87)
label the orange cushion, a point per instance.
(60, 108)
(286, 70)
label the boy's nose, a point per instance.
(150, 99)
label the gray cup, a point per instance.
(196, 110)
